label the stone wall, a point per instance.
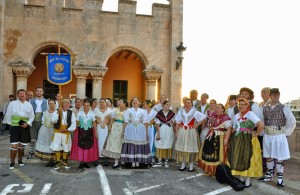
(294, 139)
(94, 35)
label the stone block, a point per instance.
(36, 2)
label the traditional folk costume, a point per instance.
(46, 132)
(232, 111)
(205, 130)
(75, 111)
(158, 107)
(102, 127)
(114, 140)
(212, 151)
(135, 147)
(166, 132)
(203, 109)
(245, 153)
(279, 123)
(85, 145)
(188, 143)
(39, 106)
(151, 132)
(62, 141)
(17, 112)
(260, 137)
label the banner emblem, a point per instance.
(59, 69)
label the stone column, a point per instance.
(151, 89)
(81, 75)
(176, 36)
(151, 75)
(22, 70)
(98, 75)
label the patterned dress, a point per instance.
(212, 150)
(85, 146)
(188, 143)
(204, 131)
(245, 153)
(102, 130)
(114, 141)
(164, 145)
(135, 147)
(46, 132)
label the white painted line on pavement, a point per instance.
(130, 192)
(46, 188)
(27, 188)
(190, 177)
(227, 188)
(127, 191)
(103, 180)
(8, 189)
(147, 188)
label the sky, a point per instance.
(234, 43)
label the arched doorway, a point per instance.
(124, 77)
(38, 78)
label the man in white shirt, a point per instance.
(279, 123)
(20, 116)
(39, 105)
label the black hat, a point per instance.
(274, 90)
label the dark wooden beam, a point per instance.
(118, 55)
(128, 55)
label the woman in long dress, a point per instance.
(164, 137)
(151, 113)
(214, 149)
(209, 113)
(85, 147)
(245, 153)
(188, 142)
(116, 131)
(135, 147)
(45, 136)
(102, 118)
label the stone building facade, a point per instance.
(115, 54)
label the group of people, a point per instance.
(246, 135)
(243, 134)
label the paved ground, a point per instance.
(291, 174)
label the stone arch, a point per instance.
(38, 77)
(139, 53)
(43, 45)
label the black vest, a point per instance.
(69, 120)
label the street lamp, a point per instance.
(180, 49)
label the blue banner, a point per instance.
(59, 69)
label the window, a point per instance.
(89, 88)
(120, 89)
(50, 90)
